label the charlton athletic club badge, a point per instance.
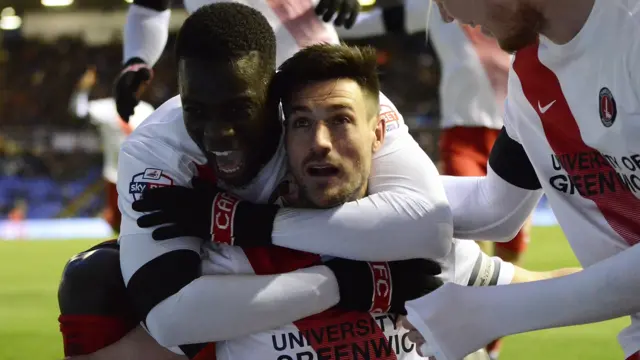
(608, 110)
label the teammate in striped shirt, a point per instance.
(571, 130)
(472, 90)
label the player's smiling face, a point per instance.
(514, 23)
(224, 113)
(331, 134)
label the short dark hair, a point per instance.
(325, 62)
(226, 30)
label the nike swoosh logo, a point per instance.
(544, 109)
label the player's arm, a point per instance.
(406, 215)
(475, 268)
(522, 275)
(494, 207)
(146, 30)
(79, 103)
(163, 278)
(603, 291)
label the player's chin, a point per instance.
(327, 197)
(517, 41)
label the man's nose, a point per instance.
(212, 130)
(217, 137)
(321, 141)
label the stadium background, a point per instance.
(50, 163)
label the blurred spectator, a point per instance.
(50, 162)
(38, 78)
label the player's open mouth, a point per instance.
(322, 170)
(229, 162)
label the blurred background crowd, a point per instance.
(50, 160)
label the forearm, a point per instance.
(79, 103)
(231, 306)
(612, 288)
(603, 291)
(523, 275)
(146, 31)
(488, 207)
(381, 227)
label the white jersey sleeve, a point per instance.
(527, 306)
(472, 267)
(163, 278)
(405, 216)
(146, 31)
(495, 207)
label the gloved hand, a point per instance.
(383, 286)
(207, 212)
(347, 11)
(130, 81)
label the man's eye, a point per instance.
(341, 119)
(298, 123)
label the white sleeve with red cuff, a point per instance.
(405, 216)
(145, 33)
(472, 267)
(488, 207)
(457, 320)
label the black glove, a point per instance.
(206, 212)
(383, 286)
(347, 11)
(134, 74)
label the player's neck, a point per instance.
(564, 18)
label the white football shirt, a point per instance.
(575, 108)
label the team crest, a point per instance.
(149, 179)
(607, 107)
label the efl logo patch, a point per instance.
(149, 179)
(607, 107)
(152, 174)
(390, 117)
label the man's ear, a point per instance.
(379, 133)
